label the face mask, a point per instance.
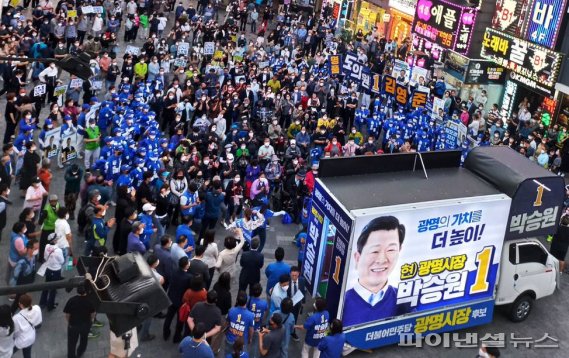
(104, 213)
(206, 162)
(482, 354)
(267, 144)
(354, 131)
(66, 216)
(295, 162)
(237, 180)
(98, 197)
(171, 97)
(285, 288)
(36, 252)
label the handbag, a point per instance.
(43, 267)
(287, 219)
(184, 312)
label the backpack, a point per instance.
(82, 219)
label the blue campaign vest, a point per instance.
(191, 199)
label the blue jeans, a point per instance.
(48, 296)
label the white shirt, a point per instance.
(53, 256)
(210, 255)
(368, 296)
(62, 229)
(24, 333)
(6, 343)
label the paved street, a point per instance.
(550, 315)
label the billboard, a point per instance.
(411, 263)
(535, 66)
(445, 24)
(544, 21)
(484, 72)
(510, 16)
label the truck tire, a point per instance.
(521, 308)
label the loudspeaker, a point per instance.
(124, 288)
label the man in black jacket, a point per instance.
(197, 266)
(297, 284)
(252, 262)
(178, 285)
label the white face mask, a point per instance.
(36, 252)
(237, 180)
(103, 213)
(206, 162)
(66, 216)
(285, 288)
(98, 197)
(482, 354)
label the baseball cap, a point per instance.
(148, 207)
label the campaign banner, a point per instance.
(208, 48)
(327, 222)
(419, 99)
(449, 320)
(76, 83)
(51, 142)
(40, 90)
(68, 147)
(132, 50)
(351, 67)
(455, 134)
(536, 208)
(417, 261)
(335, 64)
(60, 90)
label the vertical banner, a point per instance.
(335, 64)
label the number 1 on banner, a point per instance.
(483, 262)
(539, 196)
(336, 274)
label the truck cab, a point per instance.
(527, 272)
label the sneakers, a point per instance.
(93, 334)
(98, 323)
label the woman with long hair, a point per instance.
(223, 289)
(25, 322)
(210, 255)
(6, 332)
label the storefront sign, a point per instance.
(510, 16)
(539, 65)
(445, 24)
(544, 21)
(484, 72)
(509, 96)
(405, 6)
(346, 10)
(549, 105)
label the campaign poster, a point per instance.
(208, 48)
(399, 66)
(183, 49)
(68, 147)
(40, 90)
(51, 143)
(327, 241)
(414, 263)
(60, 90)
(417, 73)
(132, 50)
(76, 83)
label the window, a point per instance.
(531, 253)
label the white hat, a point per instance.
(148, 207)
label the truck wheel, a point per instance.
(521, 308)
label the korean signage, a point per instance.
(440, 259)
(445, 24)
(535, 66)
(328, 231)
(510, 16)
(455, 134)
(419, 99)
(396, 90)
(335, 64)
(536, 208)
(484, 72)
(510, 91)
(405, 6)
(544, 21)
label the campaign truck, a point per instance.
(407, 244)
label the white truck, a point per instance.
(468, 240)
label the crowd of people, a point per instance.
(215, 124)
